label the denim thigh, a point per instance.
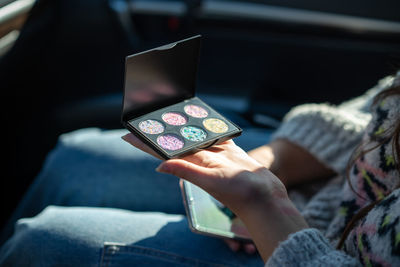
(94, 167)
(80, 236)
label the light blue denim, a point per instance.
(117, 210)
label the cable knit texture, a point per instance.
(309, 248)
(331, 133)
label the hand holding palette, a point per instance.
(160, 106)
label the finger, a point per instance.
(233, 244)
(239, 228)
(221, 146)
(136, 142)
(181, 184)
(187, 170)
(227, 142)
(249, 248)
(197, 157)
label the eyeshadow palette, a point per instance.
(183, 126)
(160, 106)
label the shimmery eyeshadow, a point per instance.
(193, 133)
(196, 111)
(170, 142)
(174, 118)
(151, 126)
(215, 125)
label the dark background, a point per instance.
(66, 70)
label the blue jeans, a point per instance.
(124, 213)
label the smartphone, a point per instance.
(208, 216)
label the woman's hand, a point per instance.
(225, 171)
(245, 186)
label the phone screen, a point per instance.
(208, 216)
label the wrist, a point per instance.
(272, 224)
(269, 215)
(260, 188)
(270, 199)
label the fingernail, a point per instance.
(162, 168)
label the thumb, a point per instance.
(186, 170)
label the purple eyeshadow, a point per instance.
(174, 118)
(170, 142)
(196, 111)
(151, 126)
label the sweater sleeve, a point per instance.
(330, 132)
(309, 248)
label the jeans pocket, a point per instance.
(117, 254)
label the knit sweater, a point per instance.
(331, 134)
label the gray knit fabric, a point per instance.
(331, 133)
(309, 248)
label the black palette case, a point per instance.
(160, 106)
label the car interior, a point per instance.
(62, 62)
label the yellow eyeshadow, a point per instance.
(215, 125)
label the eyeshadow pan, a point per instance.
(193, 133)
(170, 142)
(215, 125)
(195, 111)
(151, 127)
(174, 118)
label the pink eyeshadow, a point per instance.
(170, 142)
(196, 111)
(174, 118)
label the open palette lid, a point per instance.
(160, 77)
